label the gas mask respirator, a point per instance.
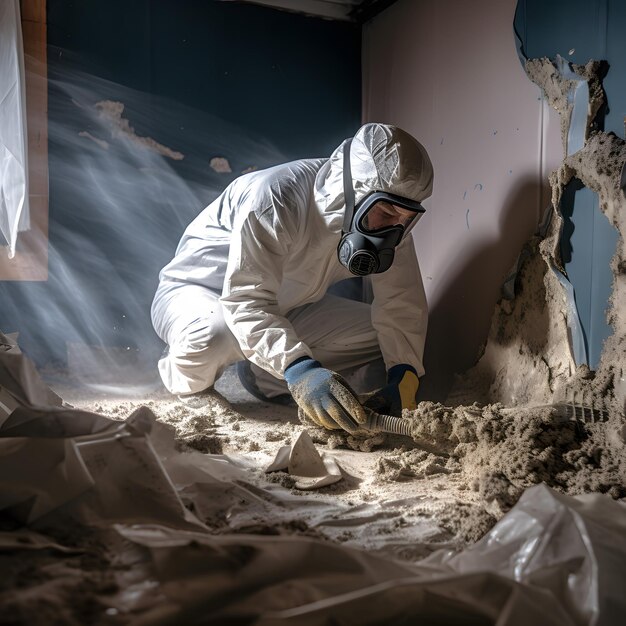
(372, 229)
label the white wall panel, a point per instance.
(448, 72)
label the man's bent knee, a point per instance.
(197, 357)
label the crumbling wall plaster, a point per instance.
(528, 357)
(558, 90)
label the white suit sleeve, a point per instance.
(249, 298)
(400, 310)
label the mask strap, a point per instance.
(348, 189)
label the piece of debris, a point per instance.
(220, 165)
(110, 112)
(302, 461)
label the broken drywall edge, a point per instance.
(527, 357)
(598, 165)
(567, 88)
(574, 91)
(579, 99)
(576, 335)
(534, 351)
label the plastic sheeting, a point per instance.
(14, 213)
(20, 383)
(171, 519)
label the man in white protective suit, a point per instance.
(250, 277)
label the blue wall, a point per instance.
(580, 30)
(251, 84)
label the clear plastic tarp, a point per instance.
(14, 212)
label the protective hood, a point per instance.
(383, 158)
(379, 163)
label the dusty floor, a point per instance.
(465, 468)
(407, 508)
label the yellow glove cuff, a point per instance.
(408, 387)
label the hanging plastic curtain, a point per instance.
(14, 214)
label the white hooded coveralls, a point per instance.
(251, 272)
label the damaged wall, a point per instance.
(448, 72)
(579, 31)
(535, 352)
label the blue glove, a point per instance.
(324, 396)
(399, 392)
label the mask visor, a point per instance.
(379, 213)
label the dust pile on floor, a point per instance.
(499, 452)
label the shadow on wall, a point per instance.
(475, 280)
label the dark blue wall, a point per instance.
(292, 78)
(580, 30)
(251, 84)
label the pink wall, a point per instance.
(448, 72)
